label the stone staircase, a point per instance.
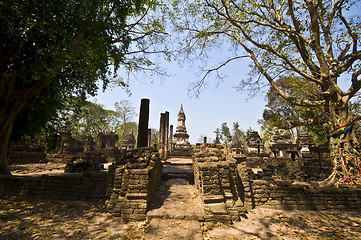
(181, 168)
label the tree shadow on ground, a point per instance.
(277, 224)
(163, 193)
(325, 224)
(22, 218)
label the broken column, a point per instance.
(166, 133)
(216, 176)
(143, 123)
(161, 136)
(171, 139)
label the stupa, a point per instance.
(254, 143)
(182, 146)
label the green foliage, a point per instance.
(51, 51)
(154, 137)
(46, 119)
(317, 43)
(94, 119)
(241, 134)
(125, 113)
(224, 133)
(282, 114)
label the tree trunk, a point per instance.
(343, 143)
(7, 124)
(341, 118)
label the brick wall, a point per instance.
(77, 186)
(287, 195)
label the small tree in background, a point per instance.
(126, 113)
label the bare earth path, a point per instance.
(176, 212)
(174, 215)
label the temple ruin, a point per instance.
(181, 147)
(230, 179)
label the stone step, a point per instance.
(163, 215)
(179, 161)
(178, 171)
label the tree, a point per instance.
(239, 133)
(314, 40)
(224, 133)
(52, 50)
(51, 133)
(154, 137)
(126, 113)
(317, 41)
(94, 119)
(281, 114)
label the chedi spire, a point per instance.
(181, 138)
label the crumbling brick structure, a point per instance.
(215, 175)
(133, 182)
(231, 184)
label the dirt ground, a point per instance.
(22, 218)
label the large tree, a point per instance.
(52, 50)
(314, 40)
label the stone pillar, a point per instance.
(166, 135)
(205, 140)
(161, 135)
(143, 123)
(171, 139)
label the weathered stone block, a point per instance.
(131, 196)
(217, 207)
(213, 198)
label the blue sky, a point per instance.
(215, 105)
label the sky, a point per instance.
(217, 104)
